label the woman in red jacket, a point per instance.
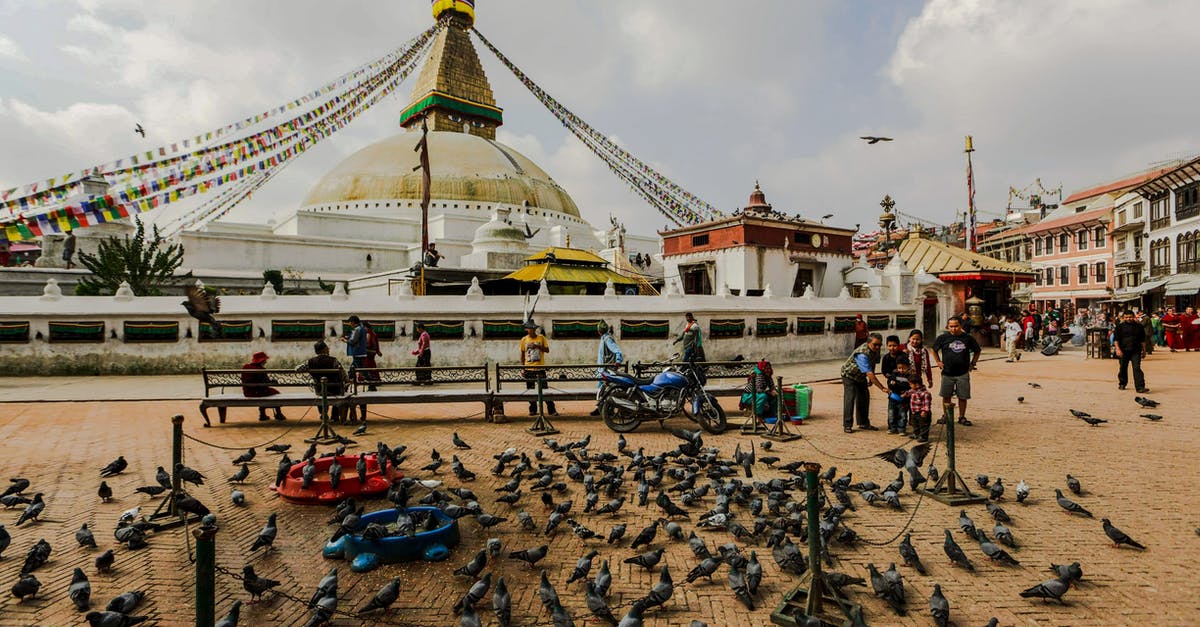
(1173, 327)
(256, 384)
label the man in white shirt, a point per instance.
(1012, 330)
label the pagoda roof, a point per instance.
(950, 263)
(559, 254)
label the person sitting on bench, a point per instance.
(256, 384)
(325, 366)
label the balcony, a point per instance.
(1128, 257)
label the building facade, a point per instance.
(1171, 237)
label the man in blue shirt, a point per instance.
(356, 342)
(607, 353)
(858, 374)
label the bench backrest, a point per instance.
(221, 379)
(712, 369)
(411, 375)
(514, 373)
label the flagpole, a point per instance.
(971, 234)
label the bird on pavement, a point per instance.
(254, 584)
(647, 560)
(383, 599)
(151, 490)
(502, 603)
(994, 552)
(1146, 402)
(127, 602)
(909, 554)
(33, 510)
(459, 443)
(1052, 589)
(104, 561)
(328, 586)
(955, 553)
(1117, 536)
(266, 537)
(16, 485)
(105, 492)
(939, 607)
(85, 538)
(530, 556)
(1069, 505)
(473, 567)
(189, 475)
(1151, 417)
(80, 590)
(1074, 486)
(597, 605)
(240, 475)
(887, 589)
(115, 467)
(231, 617)
(871, 139)
(1093, 421)
(113, 619)
(1022, 491)
(582, 567)
(201, 305)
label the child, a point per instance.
(920, 402)
(898, 386)
(888, 363)
(919, 361)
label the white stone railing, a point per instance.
(56, 334)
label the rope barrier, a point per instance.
(242, 448)
(916, 506)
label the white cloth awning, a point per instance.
(1150, 286)
(1184, 285)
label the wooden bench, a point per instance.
(435, 384)
(581, 383)
(223, 389)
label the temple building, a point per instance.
(491, 206)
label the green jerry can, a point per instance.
(798, 402)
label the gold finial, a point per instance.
(970, 145)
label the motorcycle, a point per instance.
(625, 401)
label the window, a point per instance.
(1159, 213)
(1037, 278)
(1037, 246)
(1120, 281)
(1098, 235)
(1064, 243)
(1064, 274)
(1083, 273)
(1049, 276)
(1101, 274)
(1119, 220)
(1137, 211)
(1121, 245)
(1138, 240)
(1187, 202)
(1160, 257)
(700, 240)
(1187, 252)
(1081, 240)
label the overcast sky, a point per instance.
(714, 93)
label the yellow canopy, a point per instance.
(554, 273)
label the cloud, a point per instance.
(11, 50)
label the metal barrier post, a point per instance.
(166, 511)
(205, 575)
(950, 488)
(325, 433)
(779, 430)
(541, 425)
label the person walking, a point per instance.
(356, 343)
(1173, 330)
(608, 353)
(1156, 323)
(534, 347)
(424, 354)
(692, 338)
(1148, 326)
(257, 384)
(371, 377)
(1012, 331)
(1129, 342)
(956, 354)
(860, 330)
(68, 252)
(1189, 329)
(858, 373)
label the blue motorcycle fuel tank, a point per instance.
(670, 379)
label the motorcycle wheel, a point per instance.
(712, 417)
(618, 419)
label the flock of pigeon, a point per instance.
(691, 484)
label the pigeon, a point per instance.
(647, 560)
(493, 547)
(994, 552)
(546, 592)
(737, 583)
(472, 568)
(530, 556)
(1074, 486)
(1093, 421)
(502, 603)
(115, 467)
(113, 619)
(12, 500)
(645, 536)
(163, 478)
(872, 140)
(1151, 417)
(189, 504)
(1035, 385)
(582, 567)
(632, 618)
(328, 586)
(939, 607)
(240, 475)
(698, 546)
(308, 473)
(383, 599)
(104, 561)
(323, 610)
(105, 492)
(597, 605)
(1080, 414)
(955, 553)
(616, 533)
(151, 490)
(889, 588)
(360, 469)
(335, 474)
(527, 523)
(997, 513)
(983, 481)
(85, 538)
(126, 602)
(189, 475)
(1020, 399)
(474, 594)
(248, 456)
(266, 537)
(279, 448)
(559, 615)
(965, 523)
(612, 507)
(33, 510)
(139, 130)
(754, 573)
(201, 305)
(238, 497)
(38, 554)
(16, 485)
(1145, 402)
(603, 579)
(1117, 536)
(1072, 571)
(254, 584)
(80, 591)
(909, 554)
(487, 520)
(705, 568)
(1052, 589)
(662, 591)
(231, 617)
(458, 442)
(1069, 505)
(1004, 536)
(1022, 491)
(27, 586)
(996, 491)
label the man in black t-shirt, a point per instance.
(955, 353)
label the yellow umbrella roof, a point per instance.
(569, 255)
(554, 273)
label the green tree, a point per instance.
(147, 264)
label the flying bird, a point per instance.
(870, 139)
(201, 305)
(139, 130)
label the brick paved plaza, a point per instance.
(1138, 473)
